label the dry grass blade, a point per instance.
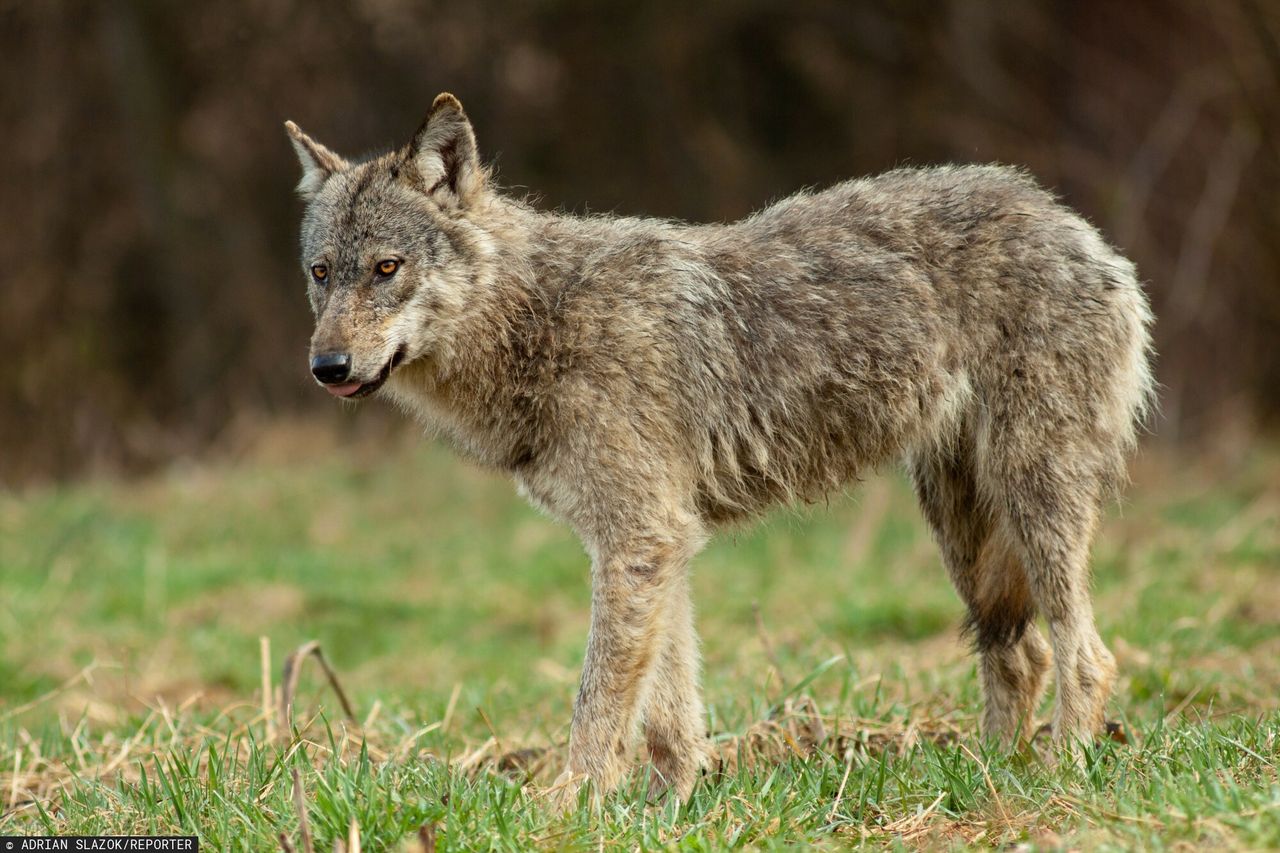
(453, 702)
(353, 836)
(770, 654)
(17, 771)
(82, 675)
(489, 724)
(292, 669)
(912, 825)
(991, 786)
(268, 713)
(427, 837)
(844, 780)
(299, 803)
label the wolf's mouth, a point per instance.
(359, 390)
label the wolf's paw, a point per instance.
(562, 794)
(1061, 751)
(671, 779)
(661, 787)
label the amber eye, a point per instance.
(388, 267)
(319, 272)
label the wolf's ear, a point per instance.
(318, 162)
(444, 153)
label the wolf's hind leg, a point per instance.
(1013, 657)
(1052, 503)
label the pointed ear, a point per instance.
(318, 162)
(444, 153)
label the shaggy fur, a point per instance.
(647, 381)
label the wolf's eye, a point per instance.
(388, 267)
(319, 272)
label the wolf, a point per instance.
(648, 381)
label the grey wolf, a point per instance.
(650, 381)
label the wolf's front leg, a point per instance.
(674, 721)
(633, 585)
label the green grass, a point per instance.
(130, 677)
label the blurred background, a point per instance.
(152, 304)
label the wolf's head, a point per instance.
(389, 248)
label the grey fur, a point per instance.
(647, 381)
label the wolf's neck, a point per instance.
(543, 253)
(488, 375)
(533, 259)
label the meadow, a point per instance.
(143, 626)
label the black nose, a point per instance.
(331, 367)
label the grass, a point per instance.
(842, 701)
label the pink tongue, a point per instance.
(343, 390)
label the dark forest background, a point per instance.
(151, 295)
